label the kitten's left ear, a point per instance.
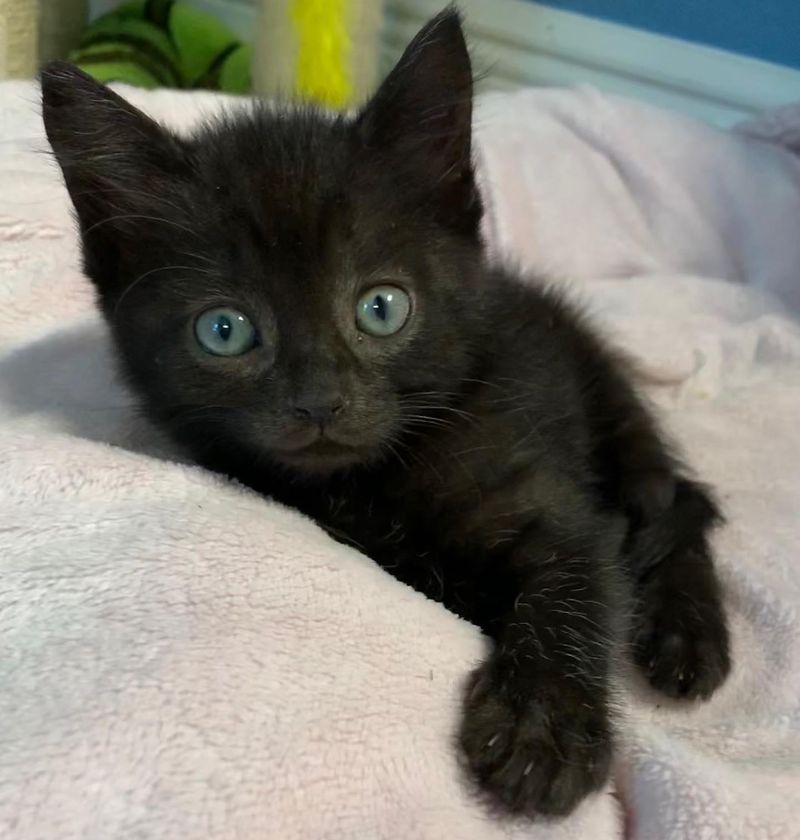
(421, 116)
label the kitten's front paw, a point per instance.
(682, 646)
(534, 752)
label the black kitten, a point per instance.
(303, 302)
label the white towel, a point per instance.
(180, 658)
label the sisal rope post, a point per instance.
(19, 40)
(325, 51)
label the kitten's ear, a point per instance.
(118, 164)
(422, 115)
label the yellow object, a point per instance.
(324, 65)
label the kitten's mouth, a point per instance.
(322, 454)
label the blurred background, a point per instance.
(716, 60)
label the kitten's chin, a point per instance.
(324, 457)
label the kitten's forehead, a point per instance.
(290, 156)
(282, 177)
(297, 195)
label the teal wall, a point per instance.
(766, 29)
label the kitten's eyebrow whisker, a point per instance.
(155, 271)
(125, 216)
(153, 197)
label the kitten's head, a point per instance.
(293, 284)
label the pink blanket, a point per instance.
(182, 659)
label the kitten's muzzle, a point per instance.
(318, 424)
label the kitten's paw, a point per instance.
(536, 754)
(682, 647)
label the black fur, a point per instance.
(492, 453)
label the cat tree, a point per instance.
(18, 38)
(323, 50)
(35, 31)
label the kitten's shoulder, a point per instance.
(541, 324)
(529, 302)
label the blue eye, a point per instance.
(383, 310)
(225, 332)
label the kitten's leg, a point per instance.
(679, 632)
(536, 731)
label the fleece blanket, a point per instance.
(180, 658)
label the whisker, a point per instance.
(124, 216)
(141, 277)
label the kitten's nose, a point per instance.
(320, 409)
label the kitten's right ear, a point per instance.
(118, 164)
